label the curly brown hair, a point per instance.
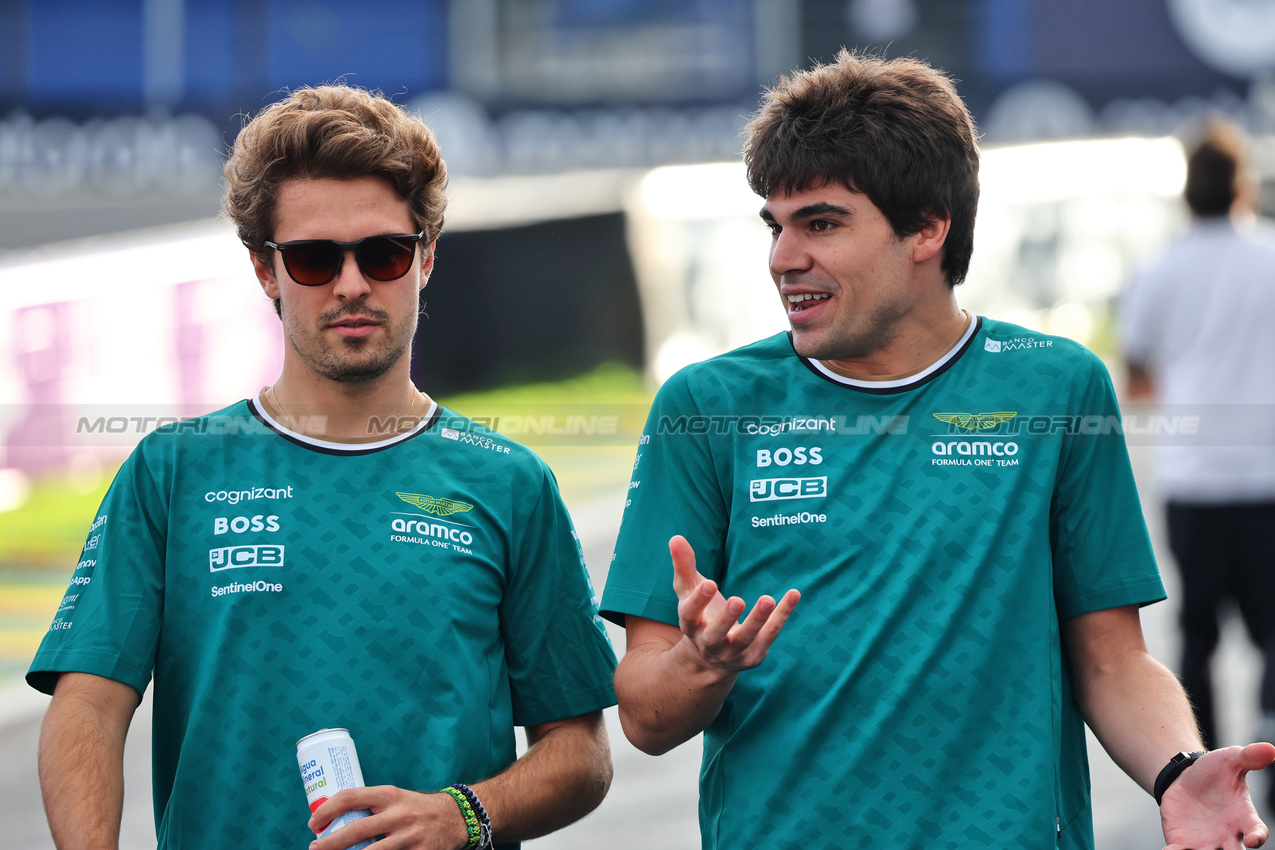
(335, 131)
(894, 130)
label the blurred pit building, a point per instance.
(598, 211)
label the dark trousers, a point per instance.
(1223, 552)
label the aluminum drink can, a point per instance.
(329, 763)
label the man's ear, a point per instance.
(931, 238)
(265, 275)
(427, 264)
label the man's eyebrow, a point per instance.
(809, 211)
(820, 208)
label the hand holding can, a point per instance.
(329, 763)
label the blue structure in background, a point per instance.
(81, 58)
(84, 57)
(530, 86)
(79, 52)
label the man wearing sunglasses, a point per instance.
(293, 563)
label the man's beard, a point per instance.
(329, 362)
(873, 335)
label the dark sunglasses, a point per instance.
(314, 262)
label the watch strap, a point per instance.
(1172, 770)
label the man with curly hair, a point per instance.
(337, 551)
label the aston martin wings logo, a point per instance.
(438, 507)
(976, 421)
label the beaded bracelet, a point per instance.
(473, 827)
(475, 806)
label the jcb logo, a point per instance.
(773, 489)
(237, 557)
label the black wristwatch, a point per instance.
(1176, 765)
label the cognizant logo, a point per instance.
(234, 497)
(801, 424)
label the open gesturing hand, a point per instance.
(1209, 807)
(710, 622)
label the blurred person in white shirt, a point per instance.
(1197, 338)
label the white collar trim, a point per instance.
(919, 377)
(331, 446)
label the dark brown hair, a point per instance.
(340, 132)
(1213, 170)
(894, 130)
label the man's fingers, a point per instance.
(774, 623)
(692, 604)
(743, 634)
(685, 577)
(752, 638)
(328, 812)
(718, 628)
(1257, 756)
(347, 800)
(373, 798)
(712, 623)
(780, 616)
(352, 833)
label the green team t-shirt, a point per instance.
(939, 528)
(427, 593)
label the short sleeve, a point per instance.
(675, 489)
(560, 659)
(1141, 319)
(1102, 551)
(108, 622)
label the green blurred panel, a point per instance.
(586, 428)
(48, 530)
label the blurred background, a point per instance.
(599, 236)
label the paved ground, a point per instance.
(653, 801)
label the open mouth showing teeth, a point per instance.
(797, 303)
